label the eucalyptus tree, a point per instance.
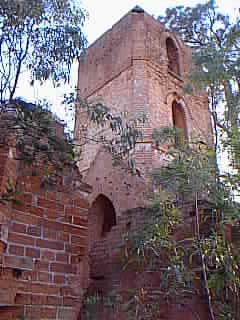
(42, 37)
(192, 175)
(215, 39)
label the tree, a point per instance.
(215, 39)
(42, 37)
(192, 173)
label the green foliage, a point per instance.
(43, 37)
(113, 131)
(190, 178)
(36, 132)
(191, 168)
(215, 38)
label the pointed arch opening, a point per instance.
(179, 122)
(173, 56)
(102, 217)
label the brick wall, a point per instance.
(128, 70)
(111, 280)
(43, 242)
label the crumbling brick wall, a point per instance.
(128, 70)
(113, 282)
(43, 241)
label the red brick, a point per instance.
(20, 228)
(32, 252)
(62, 268)
(22, 298)
(30, 184)
(25, 218)
(26, 198)
(76, 230)
(79, 250)
(68, 219)
(16, 250)
(51, 213)
(51, 300)
(49, 195)
(59, 279)
(50, 204)
(19, 206)
(57, 245)
(63, 236)
(39, 299)
(49, 233)
(41, 265)
(66, 313)
(21, 239)
(40, 312)
(43, 288)
(82, 203)
(45, 277)
(11, 312)
(75, 259)
(69, 301)
(62, 257)
(68, 291)
(34, 231)
(18, 262)
(65, 199)
(47, 255)
(80, 221)
(77, 212)
(29, 275)
(78, 240)
(37, 211)
(52, 225)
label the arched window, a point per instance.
(179, 121)
(102, 217)
(173, 57)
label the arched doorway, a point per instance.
(173, 57)
(102, 217)
(179, 122)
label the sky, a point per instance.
(101, 16)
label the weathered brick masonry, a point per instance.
(137, 67)
(43, 242)
(115, 284)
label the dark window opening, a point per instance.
(179, 122)
(173, 57)
(128, 226)
(103, 217)
(97, 278)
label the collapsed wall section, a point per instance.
(43, 240)
(121, 288)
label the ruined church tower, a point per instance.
(137, 67)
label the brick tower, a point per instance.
(137, 67)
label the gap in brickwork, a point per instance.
(173, 57)
(179, 119)
(102, 217)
